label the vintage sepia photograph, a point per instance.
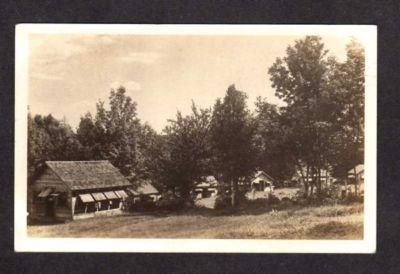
(180, 138)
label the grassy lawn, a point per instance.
(325, 222)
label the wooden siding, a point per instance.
(49, 179)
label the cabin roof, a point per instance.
(88, 174)
(260, 172)
(207, 181)
(359, 168)
(143, 187)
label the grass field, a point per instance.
(325, 222)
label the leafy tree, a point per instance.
(232, 141)
(301, 79)
(50, 139)
(88, 137)
(273, 150)
(349, 83)
(113, 133)
(149, 145)
(182, 156)
(36, 148)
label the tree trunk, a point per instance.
(355, 182)
(187, 197)
(312, 182)
(319, 186)
(306, 189)
(304, 179)
(234, 193)
(306, 184)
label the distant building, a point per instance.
(297, 178)
(68, 190)
(356, 174)
(356, 177)
(144, 190)
(262, 182)
(207, 187)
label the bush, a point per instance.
(287, 201)
(351, 198)
(272, 199)
(222, 201)
(141, 203)
(171, 202)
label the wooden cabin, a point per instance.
(262, 182)
(68, 190)
(208, 187)
(143, 190)
(355, 180)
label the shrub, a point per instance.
(272, 199)
(222, 201)
(351, 198)
(171, 202)
(141, 203)
(287, 201)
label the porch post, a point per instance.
(72, 203)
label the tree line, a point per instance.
(320, 127)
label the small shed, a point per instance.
(357, 173)
(356, 177)
(68, 190)
(143, 189)
(207, 187)
(262, 181)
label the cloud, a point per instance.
(141, 57)
(129, 85)
(45, 76)
(50, 51)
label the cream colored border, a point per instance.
(366, 34)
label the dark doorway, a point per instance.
(50, 206)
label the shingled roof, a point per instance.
(143, 187)
(88, 174)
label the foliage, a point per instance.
(113, 133)
(349, 83)
(320, 127)
(311, 85)
(222, 201)
(170, 201)
(181, 156)
(49, 139)
(232, 132)
(272, 150)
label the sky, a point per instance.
(68, 74)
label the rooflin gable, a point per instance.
(261, 172)
(143, 187)
(88, 174)
(359, 168)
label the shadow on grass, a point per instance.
(44, 221)
(336, 230)
(248, 208)
(256, 207)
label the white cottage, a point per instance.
(262, 182)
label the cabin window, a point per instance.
(102, 202)
(113, 199)
(85, 204)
